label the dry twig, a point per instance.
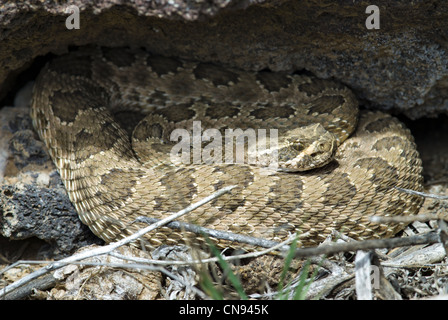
(108, 248)
(327, 249)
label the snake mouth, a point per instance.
(315, 155)
(298, 166)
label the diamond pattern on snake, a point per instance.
(106, 116)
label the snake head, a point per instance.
(307, 148)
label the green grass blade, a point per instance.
(288, 260)
(236, 283)
(300, 290)
(209, 287)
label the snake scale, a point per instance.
(86, 103)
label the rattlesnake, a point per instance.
(78, 109)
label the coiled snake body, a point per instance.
(112, 178)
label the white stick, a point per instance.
(112, 246)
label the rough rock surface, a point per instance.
(33, 201)
(402, 65)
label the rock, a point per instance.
(33, 201)
(402, 66)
